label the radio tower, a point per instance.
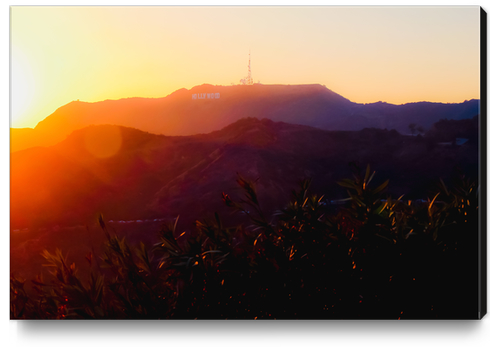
(248, 80)
(249, 77)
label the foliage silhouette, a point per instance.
(373, 257)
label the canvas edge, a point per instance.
(482, 242)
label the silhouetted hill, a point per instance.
(207, 108)
(156, 176)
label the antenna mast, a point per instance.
(249, 77)
(248, 80)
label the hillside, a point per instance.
(207, 108)
(156, 176)
(58, 192)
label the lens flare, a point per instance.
(103, 141)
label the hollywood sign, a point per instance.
(205, 96)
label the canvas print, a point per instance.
(248, 163)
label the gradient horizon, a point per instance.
(366, 54)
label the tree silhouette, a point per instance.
(412, 127)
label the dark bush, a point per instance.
(374, 257)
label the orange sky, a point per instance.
(366, 54)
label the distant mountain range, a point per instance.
(207, 108)
(157, 176)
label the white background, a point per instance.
(209, 333)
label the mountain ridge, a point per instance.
(206, 108)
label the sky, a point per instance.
(366, 54)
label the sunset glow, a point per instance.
(396, 55)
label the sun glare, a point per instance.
(22, 87)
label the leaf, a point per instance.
(344, 200)
(444, 186)
(368, 169)
(370, 178)
(358, 201)
(218, 220)
(381, 187)
(431, 203)
(347, 183)
(175, 224)
(182, 234)
(304, 203)
(255, 242)
(381, 208)
(212, 251)
(101, 221)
